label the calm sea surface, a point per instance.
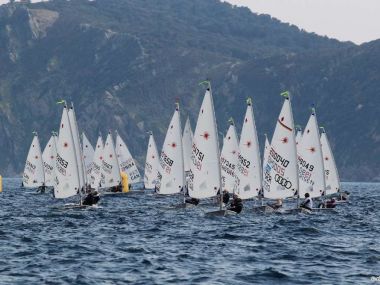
(136, 239)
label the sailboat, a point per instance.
(205, 178)
(126, 162)
(67, 183)
(187, 141)
(331, 171)
(171, 170)
(33, 176)
(48, 157)
(78, 148)
(95, 174)
(310, 161)
(280, 169)
(110, 170)
(249, 162)
(151, 164)
(229, 159)
(88, 157)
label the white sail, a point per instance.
(88, 156)
(229, 160)
(126, 162)
(110, 166)
(266, 167)
(331, 171)
(96, 173)
(78, 149)
(48, 156)
(171, 169)
(298, 136)
(151, 164)
(310, 161)
(249, 163)
(205, 177)
(281, 170)
(34, 170)
(187, 141)
(67, 182)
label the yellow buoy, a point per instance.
(124, 182)
(1, 184)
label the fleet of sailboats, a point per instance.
(294, 164)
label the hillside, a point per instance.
(123, 64)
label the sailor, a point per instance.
(276, 205)
(236, 204)
(192, 201)
(307, 203)
(91, 199)
(226, 197)
(41, 189)
(117, 188)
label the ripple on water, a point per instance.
(137, 239)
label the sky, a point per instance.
(346, 20)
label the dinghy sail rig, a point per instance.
(49, 156)
(331, 171)
(34, 170)
(126, 162)
(95, 176)
(310, 161)
(151, 164)
(205, 177)
(171, 169)
(229, 159)
(67, 181)
(281, 170)
(77, 145)
(110, 170)
(88, 156)
(249, 167)
(187, 140)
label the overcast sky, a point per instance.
(346, 20)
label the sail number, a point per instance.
(244, 162)
(279, 158)
(304, 164)
(197, 153)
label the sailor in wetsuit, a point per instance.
(41, 189)
(226, 197)
(236, 204)
(91, 199)
(193, 201)
(117, 188)
(307, 203)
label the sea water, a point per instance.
(138, 239)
